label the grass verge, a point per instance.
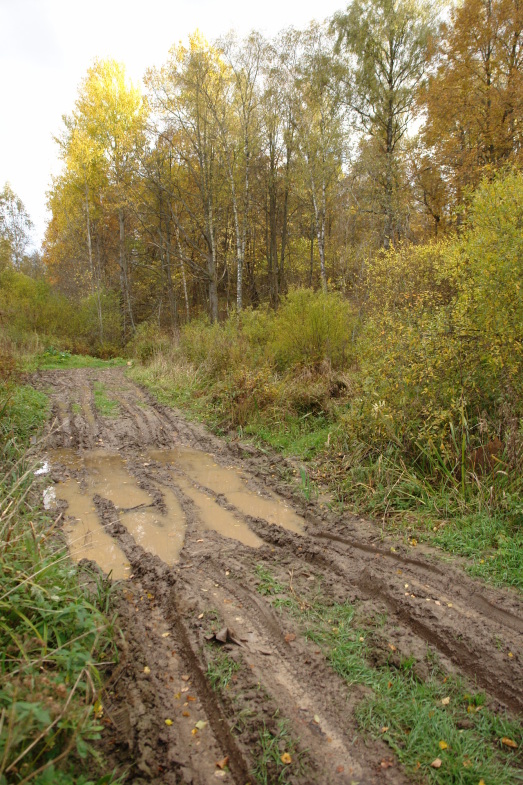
(422, 721)
(53, 359)
(53, 636)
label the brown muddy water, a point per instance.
(158, 528)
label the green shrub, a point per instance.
(312, 328)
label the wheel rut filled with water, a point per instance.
(225, 576)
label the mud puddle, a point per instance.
(99, 473)
(207, 534)
(230, 482)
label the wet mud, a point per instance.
(187, 521)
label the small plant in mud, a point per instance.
(221, 668)
(307, 487)
(277, 758)
(267, 583)
(105, 405)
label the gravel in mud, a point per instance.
(185, 519)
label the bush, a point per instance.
(313, 328)
(441, 348)
(148, 341)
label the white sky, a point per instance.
(46, 47)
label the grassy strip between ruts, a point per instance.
(107, 407)
(438, 720)
(53, 636)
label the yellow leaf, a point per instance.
(194, 731)
(443, 745)
(98, 709)
(147, 670)
(445, 701)
(286, 758)
(509, 743)
(436, 763)
(168, 722)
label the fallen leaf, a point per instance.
(147, 670)
(445, 701)
(185, 678)
(184, 689)
(177, 696)
(286, 758)
(220, 774)
(385, 729)
(443, 745)
(290, 637)
(165, 634)
(223, 762)
(509, 743)
(185, 714)
(199, 540)
(98, 709)
(449, 605)
(436, 763)
(317, 719)
(386, 763)
(362, 639)
(168, 722)
(150, 596)
(392, 647)
(194, 731)
(340, 769)
(200, 616)
(190, 698)
(200, 724)
(481, 782)
(510, 655)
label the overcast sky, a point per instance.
(46, 47)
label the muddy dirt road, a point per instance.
(207, 535)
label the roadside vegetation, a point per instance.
(54, 635)
(408, 409)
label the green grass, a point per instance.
(303, 437)
(53, 359)
(407, 713)
(23, 411)
(52, 635)
(267, 584)
(220, 669)
(105, 405)
(269, 768)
